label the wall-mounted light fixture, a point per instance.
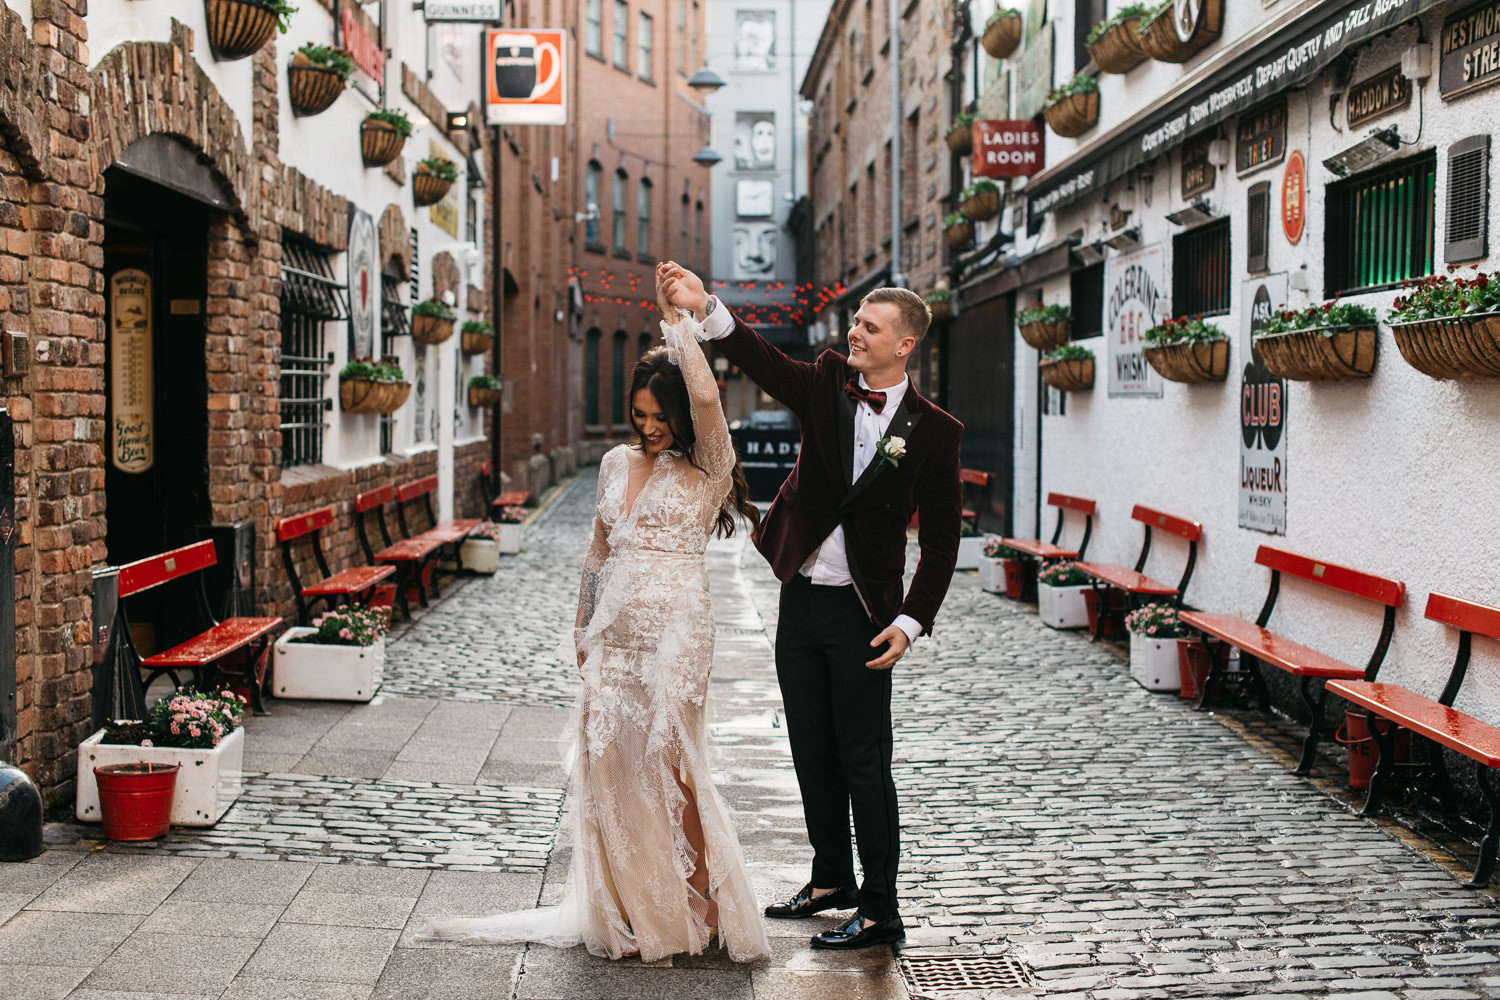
(458, 120)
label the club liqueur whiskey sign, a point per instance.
(1262, 486)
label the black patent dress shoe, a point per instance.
(854, 934)
(805, 904)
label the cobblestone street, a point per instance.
(1113, 842)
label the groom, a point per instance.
(873, 453)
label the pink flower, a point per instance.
(147, 743)
(175, 730)
(345, 633)
(194, 731)
(1151, 630)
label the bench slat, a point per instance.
(370, 499)
(1039, 550)
(217, 642)
(143, 574)
(408, 550)
(1128, 580)
(1465, 615)
(350, 581)
(973, 477)
(416, 488)
(452, 531)
(1071, 503)
(294, 527)
(1351, 581)
(1180, 526)
(1425, 717)
(1265, 645)
(512, 498)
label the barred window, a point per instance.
(395, 321)
(310, 299)
(593, 38)
(1380, 226)
(1200, 271)
(617, 380)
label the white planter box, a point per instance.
(480, 555)
(323, 670)
(970, 550)
(1062, 607)
(992, 574)
(1153, 663)
(208, 781)
(512, 538)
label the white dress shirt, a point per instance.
(828, 566)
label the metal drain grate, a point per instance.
(970, 977)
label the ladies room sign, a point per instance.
(525, 76)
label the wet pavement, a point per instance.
(1067, 833)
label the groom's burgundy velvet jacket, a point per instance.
(875, 510)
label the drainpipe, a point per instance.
(497, 297)
(898, 277)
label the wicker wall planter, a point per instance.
(1119, 49)
(363, 395)
(312, 89)
(960, 235)
(238, 28)
(960, 140)
(1190, 361)
(480, 396)
(1162, 43)
(1074, 115)
(1045, 336)
(1454, 347)
(1071, 375)
(981, 205)
(1001, 37)
(431, 329)
(428, 188)
(476, 343)
(1310, 356)
(379, 142)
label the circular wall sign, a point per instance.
(1185, 15)
(1294, 197)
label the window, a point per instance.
(591, 378)
(622, 34)
(1380, 226)
(909, 169)
(621, 183)
(682, 37)
(1086, 296)
(617, 379)
(1086, 14)
(593, 39)
(872, 211)
(643, 44)
(1258, 228)
(643, 219)
(698, 237)
(310, 298)
(642, 344)
(1468, 199)
(693, 28)
(591, 183)
(682, 250)
(1200, 271)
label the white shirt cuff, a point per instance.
(910, 626)
(719, 323)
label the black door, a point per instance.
(980, 391)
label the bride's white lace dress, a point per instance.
(646, 631)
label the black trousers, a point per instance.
(838, 715)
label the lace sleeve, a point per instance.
(714, 450)
(593, 564)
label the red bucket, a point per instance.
(1363, 753)
(1015, 577)
(1192, 667)
(1093, 601)
(135, 799)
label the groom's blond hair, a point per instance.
(915, 316)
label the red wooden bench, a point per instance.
(973, 477)
(497, 498)
(1040, 551)
(1308, 665)
(357, 583)
(1132, 582)
(207, 655)
(414, 558)
(450, 532)
(1438, 721)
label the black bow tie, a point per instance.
(856, 392)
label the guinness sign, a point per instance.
(1381, 94)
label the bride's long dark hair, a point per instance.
(664, 380)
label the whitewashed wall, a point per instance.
(1396, 475)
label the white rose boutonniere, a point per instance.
(891, 450)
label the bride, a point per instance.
(656, 868)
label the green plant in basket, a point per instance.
(961, 121)
(391, 117)
(995, 548)
(1329, 317)
(439, 167)
(1000, 14)
(329, 58)
(1053, 313)
(1069, 352)
(432, 307)
(1126, 13)
(1080, 84)
(281, 9)
(477, 326)
(1159, 621)
(484, 382)
(979, 187)
(954, 219)
(1189, 329)
(1062, 574)
(358, 369)
(938, 295)
(388, 371)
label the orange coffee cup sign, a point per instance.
(526, 76)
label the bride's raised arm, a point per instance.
(714, 450)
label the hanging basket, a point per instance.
(1069, 375)
(431, 329)
(981, 205)
(311, 88)
(476, 343)
(363, 395)
(1162, 42)
(238, 28)
(1001, 37)
(428, 188)
(1318, 356)
(1045, 336)
(1119, 49)
(1074, 114)
(1190, 361)
(1453, 347)
(135, 799)
(480, 396)
(379, 142)
(941, 310)
(960, 140)
(959, 236)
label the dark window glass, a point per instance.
(591, 378)
(591, 184)
(617, 360)
(1087, 299)
(1200, 271)
(1380, 226)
